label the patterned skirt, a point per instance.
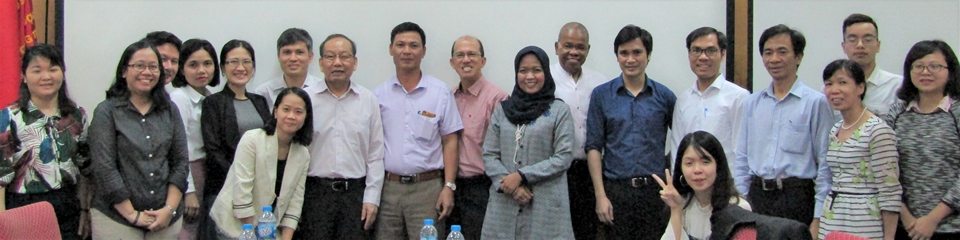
(853, 213)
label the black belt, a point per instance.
(781, 183)
(638, 182)
(340, 184)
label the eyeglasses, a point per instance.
(141, 67)
(331, 57)
(933, 68)
(236, 62)
(866, 40)
(471, 55)
(711, 51)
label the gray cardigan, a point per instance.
(544, 155)
(136, 156)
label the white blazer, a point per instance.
(252, 180)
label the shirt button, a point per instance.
(151, 192)
(151, 174)
(148, 136)
(143, 120)
(150, 155)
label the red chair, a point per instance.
(835, 235)
(34, 221)
(748, 232)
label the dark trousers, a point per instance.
(332, 210)
(583, 202)
(65, 203)
(638, 211)
(470, 205)
(794, 201)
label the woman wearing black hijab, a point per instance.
(527, 150)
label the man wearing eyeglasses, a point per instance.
(295, 52)
(574, 85)
(712, 104)
(346, 164)
(781, 164)
(861, 43)
(476, 98)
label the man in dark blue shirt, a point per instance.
(626, 135)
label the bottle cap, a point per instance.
(268, 208)
(428, 221)
(455, 228)
(247, 226)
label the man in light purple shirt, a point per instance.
(346, 166)
(420, 129)
(574, 86)
(476, 98)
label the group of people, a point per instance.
(566, 154)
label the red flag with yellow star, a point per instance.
(16, 22)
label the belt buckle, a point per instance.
(339, 186)
(779, 186)
(406, 179)
(634, 183)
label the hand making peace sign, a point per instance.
(669, 194)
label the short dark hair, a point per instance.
(233, 44)
(292, 36)
(629, 33)
(454, 46)
(796, 38)
(858, 18)
(353, 46)
(909, 92)
(189, 47)
(119, 87)
(853, 69)
(302, 136)
(159, 38)
(51, 53)
(723, 187)
(706, 31)
(408, 27)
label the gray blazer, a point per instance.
(545, 154)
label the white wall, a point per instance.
(97, 31)
(901, 24)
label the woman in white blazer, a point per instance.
(263, 156)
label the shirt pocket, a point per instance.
(717, 121)
(425, 129)
(796, 138)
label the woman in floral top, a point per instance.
(40, 138)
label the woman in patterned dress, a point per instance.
(40, 136)
(864, 198)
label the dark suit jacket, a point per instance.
(221, 134)
(726, 221)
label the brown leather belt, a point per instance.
(419, 177)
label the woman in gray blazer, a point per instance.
(269, 169)
(527, 151)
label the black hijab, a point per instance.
(522, 107)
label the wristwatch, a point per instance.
(451, 185)
(174, 211)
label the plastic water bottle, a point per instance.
(267, 224)
(455, 233)
(428, 232)
(247, 233)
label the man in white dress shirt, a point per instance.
(574, 86)
(346, 156)
(712, 104)
(295, 52)
(861, 43)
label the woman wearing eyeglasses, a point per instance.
(226, 115)
(928, 141)
(139, 153)
(198, 70)
(526, 152)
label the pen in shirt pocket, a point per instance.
(426, 113)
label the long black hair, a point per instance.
(723, 187)
(302, 136)
(51, 53)
(119, 88)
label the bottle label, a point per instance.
(266, 230)
(428, 238)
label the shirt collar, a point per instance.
(944, 104)
(618, 84)
(309, 81)
(474, 89)
(322, 88)
(717, 84)
(194, 96)
(396, 83)
(794, 90)
(875, 77)
(33, 111)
